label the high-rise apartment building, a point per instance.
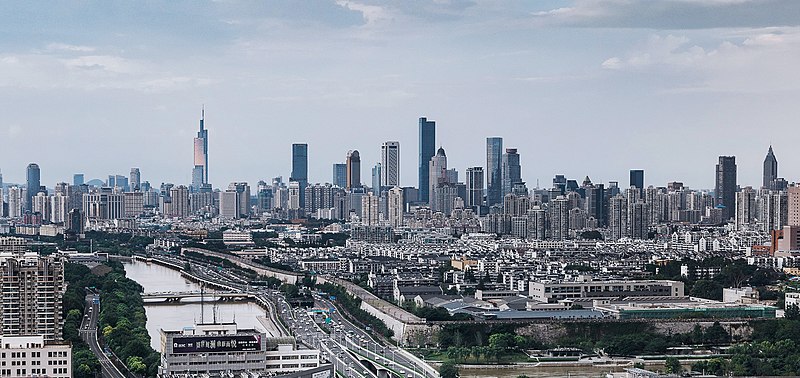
(135, 181)
(637, 179)
(494, 171)
(793, 217)
(617, 217)
(474, 187)
(104, 204)
(369, 210)
(638, 220)
(134, 204)
(390, 164)
(339, 175)
(300, 169)
(15, 202)
(33, 185)
(512, 171)
(746, 211)
(559, 218)
(353, 169)
(200, 170)
(58, 208)
(229, 204)
(427, 149)
(294, 197)
(396, 207)
(770, 169)
(41, 205)
(33, 290)
(725, 189)
(178, 207)
(243, 190)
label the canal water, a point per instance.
(156, 278)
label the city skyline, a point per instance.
(299, 161)
(133, 96)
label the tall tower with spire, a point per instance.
(200, 171)
(770, 169)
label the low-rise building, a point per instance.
(238, 238)
(30, 356)
(212, 349)
(585, 287)
(685, 307)
(223, 349)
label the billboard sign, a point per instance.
(213, 344)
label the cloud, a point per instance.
(760, 61)
(68, 47)
(87, 71)
(14, 131)
(673, 14)
(372, 14)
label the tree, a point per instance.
(136, 365)
(476, 352)
(672, 366)
(792, 312)
(448, 370)
(707, 289)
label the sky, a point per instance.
(583, 87)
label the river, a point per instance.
(156, 278)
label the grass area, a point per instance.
(510, 357)
(706, 357)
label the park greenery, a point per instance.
(497, 343)
(122, 319)
(352, 307)
(84, 362)
(733, 273)
(448, 370)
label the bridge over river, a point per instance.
(177, 296)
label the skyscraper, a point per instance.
(33, 184)
(353, 169)
(243, 196)
(438, 176)
(135, 181)
(770, 169)
(340, 175)
(390, 164)
(200, 172)
(427, 148)
(300, 169)
(494, 171)
(512, 171)
(637, 179)
(77, 179)
(474, 187)
(725, 189)
(376, 179)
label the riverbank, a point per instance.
(159, 278)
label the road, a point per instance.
(345, 344)
(88, 333)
